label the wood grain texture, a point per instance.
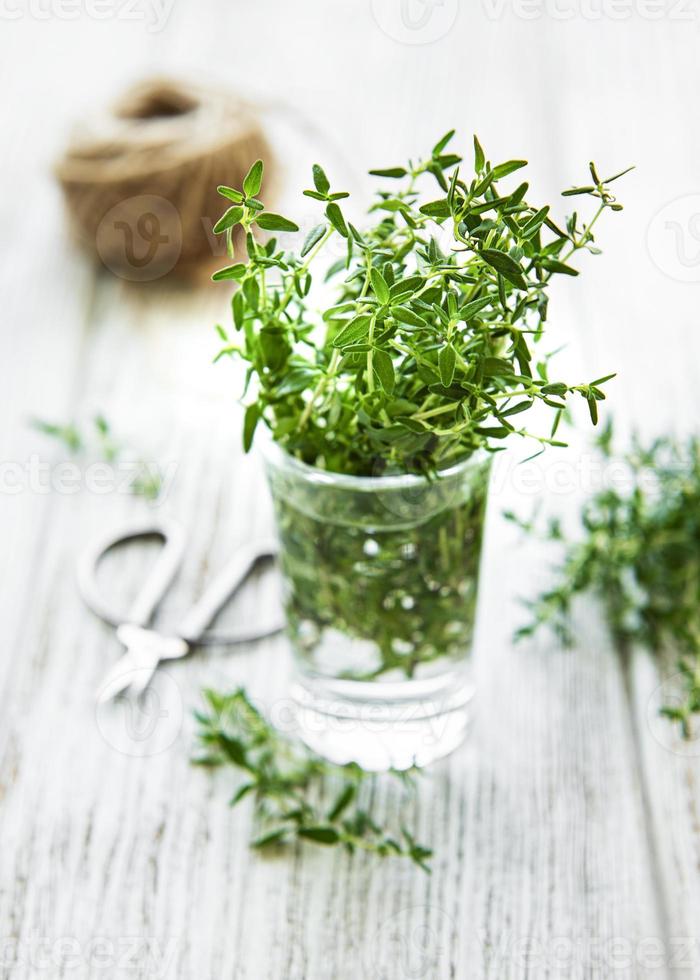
(567, 830)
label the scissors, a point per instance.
(145, 646)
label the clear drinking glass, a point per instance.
(380, 580)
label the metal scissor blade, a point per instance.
(142, 678)
(144, 650)
(117, 679)
(148, 648)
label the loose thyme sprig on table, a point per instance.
(100, 440)
(289, 784)
(640, 556)
(427, 352)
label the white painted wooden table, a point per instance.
(567, 832)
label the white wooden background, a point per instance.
(567, 832)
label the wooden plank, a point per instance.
(543, 864)
(671, 765)
(527, 846)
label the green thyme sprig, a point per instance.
(291, 787)
(640, 555)
(101, 440)
(67, 433)
(427, 351)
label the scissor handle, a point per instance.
(225, 585)
(159, 578)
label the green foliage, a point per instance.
(640, 555)
(297, 795)
(101, 441)
(67, 434)
(388, 584)
(427, 352)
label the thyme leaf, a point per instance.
(640, 556)
(145, 482)
(297, 795)
(439, 304)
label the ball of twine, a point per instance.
(140, 180)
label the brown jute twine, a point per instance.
(140, 180)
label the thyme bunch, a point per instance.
(427, 352)
(640, 556)
(291, 786)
